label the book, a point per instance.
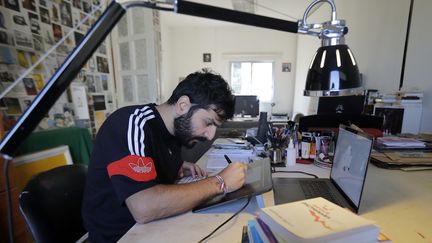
(264, 233)
(267, 231)
(318, 220)
(245, 236)
(253, 235)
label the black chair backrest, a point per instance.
(51, 204)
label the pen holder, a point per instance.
(275, 155)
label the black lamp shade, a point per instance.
(333, 72)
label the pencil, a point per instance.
(227, 159)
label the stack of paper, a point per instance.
(400, 142)
(216, 159)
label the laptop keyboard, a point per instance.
(313, 189)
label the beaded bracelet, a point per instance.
(221, 183)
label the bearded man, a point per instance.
(137, 158)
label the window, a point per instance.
(252, 78)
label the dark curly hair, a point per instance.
(206, 90)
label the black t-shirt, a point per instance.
(133, 151)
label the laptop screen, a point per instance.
(350, 162)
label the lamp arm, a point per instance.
(309, 8)
(112, 14)
(331, 32)
(61, 79)
(223, 14)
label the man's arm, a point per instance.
(161, 201)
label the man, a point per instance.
(136, 159)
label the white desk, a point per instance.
(399, 202)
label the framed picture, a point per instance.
(286, 67)
(207, 57)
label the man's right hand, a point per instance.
(234, 176)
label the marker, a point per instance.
(227, 159)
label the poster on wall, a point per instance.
(102, 64)
(23, 39)
(12, 4)
(34, 23)
(29, 4)
(25, 102)
(79, 100)
(66, 13)
(6, 37)
(7, 56)
(31, 29)
(44, 15)
(99, 117)
(13, 106)
(99, 102)
(38, 43)
(30, 86)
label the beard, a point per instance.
(183, 130)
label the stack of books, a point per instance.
(311, 221)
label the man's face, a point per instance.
(195, 126)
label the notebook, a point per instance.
(258, 181)
(347, 176)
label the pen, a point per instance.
(227, 159)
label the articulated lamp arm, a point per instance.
(113, 13)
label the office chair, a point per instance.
(51, 204)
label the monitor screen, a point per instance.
(353, 104)
(246, 105)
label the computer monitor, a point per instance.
(352, 104)
(246, 105)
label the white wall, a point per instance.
(307, 47)
(376, 36)
(167, 84)
(419, 59)
(225, 43)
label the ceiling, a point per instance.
(291, 10)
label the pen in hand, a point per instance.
(227, 159)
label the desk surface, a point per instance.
(399, 202)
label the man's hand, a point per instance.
(191, 169)
(234, 176)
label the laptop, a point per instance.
(347, 176)
(258, 181)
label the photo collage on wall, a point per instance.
(36, 36)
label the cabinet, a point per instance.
(21, 233)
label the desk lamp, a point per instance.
(332, 72)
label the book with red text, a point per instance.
(318, 220)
